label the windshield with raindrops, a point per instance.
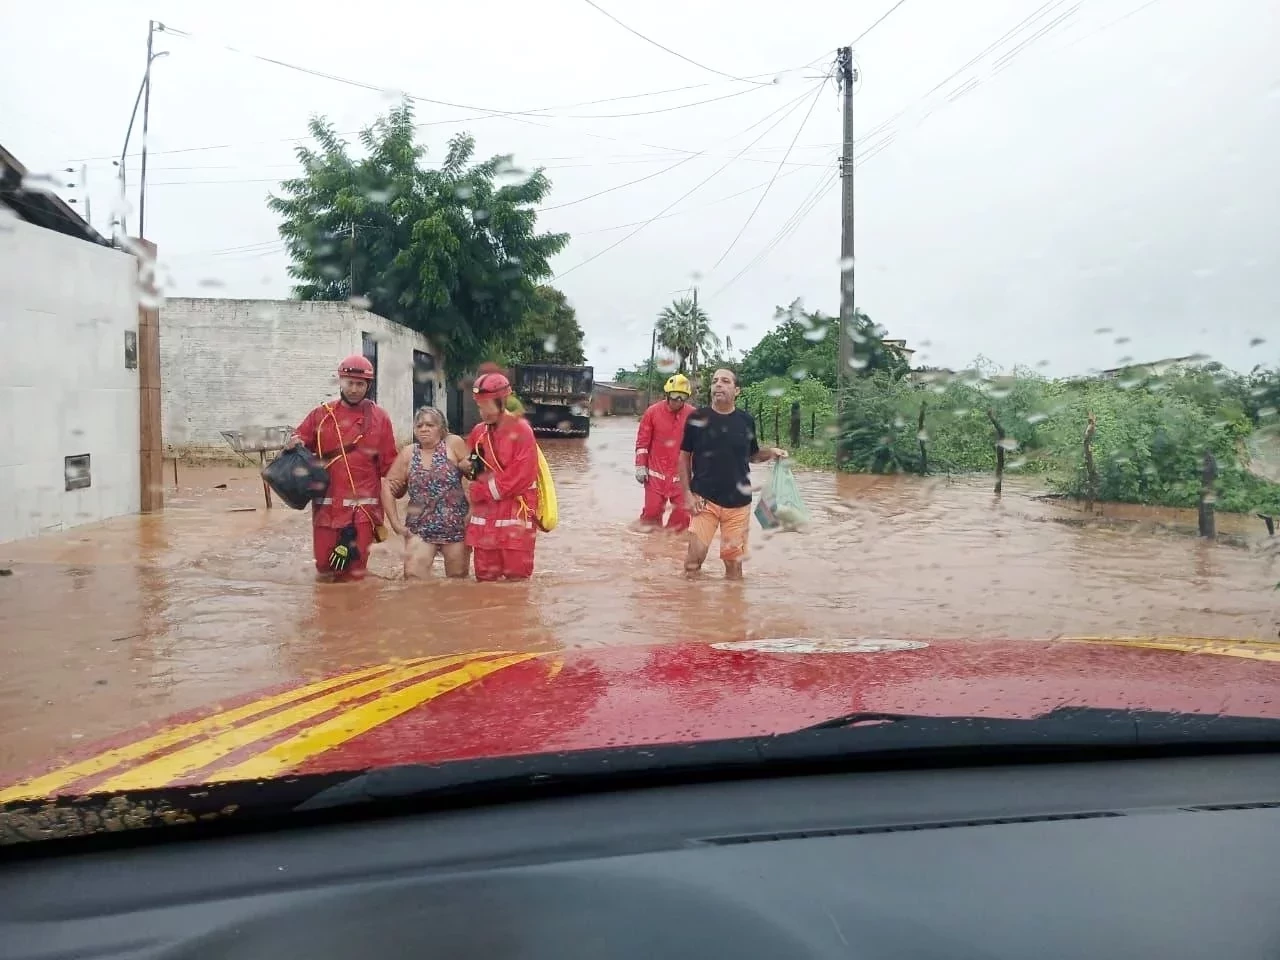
(393, 385)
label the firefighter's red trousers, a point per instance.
(656, 498)
(497, 564)
(324, 539)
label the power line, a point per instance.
(803, 209)
(577, 233)
(681, 213)
(883, 17)
(769, 187)
(678, 163)
(687, 193)
(702, 66)
(362, 85)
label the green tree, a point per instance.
(685, 330)
(452, 252)
(548, 332)
(807, 345)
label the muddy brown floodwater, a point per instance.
(107, 627)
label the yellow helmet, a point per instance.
(678, 383)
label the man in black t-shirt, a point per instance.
(715, 472)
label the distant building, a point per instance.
(1153, 369)
(615, 399)
(246, 365)
(900, 347)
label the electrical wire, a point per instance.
(683, 196)
(678, 163)
(769, 187)
(805, 207)
(577, 233)
(681, 213)
(883, 17)
(484, 110)
(702, 66)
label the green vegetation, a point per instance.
(453, 251)
(1153, 426)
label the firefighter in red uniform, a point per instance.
(658, 455)
(503, 466)
(354, 439)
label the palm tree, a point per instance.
(685, 330)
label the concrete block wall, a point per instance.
(246, 364)
(65, 304)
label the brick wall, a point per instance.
(245, 364)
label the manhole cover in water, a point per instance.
(807, 645)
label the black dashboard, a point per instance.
(1169, 859)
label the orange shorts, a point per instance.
(734, 524)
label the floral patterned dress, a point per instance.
(437, 510)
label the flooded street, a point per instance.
(112, 626)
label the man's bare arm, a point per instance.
(685, 472)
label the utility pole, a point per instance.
(847, 75)
(144, 88)
(146, 116)
(694, 318)
(653, 357)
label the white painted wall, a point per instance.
(65, 305)
(241, 364)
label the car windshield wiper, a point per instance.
(849, 738)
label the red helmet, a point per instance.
(357, 367)
(491, 386)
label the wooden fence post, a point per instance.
(813, 424)
(777, 421)
(991, 415)
(795, 423)
(920, 436)
(1091, 470)
(1208, 474)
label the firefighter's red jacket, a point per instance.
(364, 433)
(658, 445)
(504, 497)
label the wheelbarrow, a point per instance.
(259, 440)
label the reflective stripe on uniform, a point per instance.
(361, 502)
(516, 522)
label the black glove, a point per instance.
(346, 551)
(477, 463)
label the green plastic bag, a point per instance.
(781, 506)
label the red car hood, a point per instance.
(497, 703)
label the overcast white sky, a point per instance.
(1117, 171)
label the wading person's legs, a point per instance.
(457, 559)
(418, 557)
(735, 531)
(702, 530)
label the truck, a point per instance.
(557, 397)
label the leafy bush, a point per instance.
(1148, 447)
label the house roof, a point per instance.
(616, 387)
(38, 207)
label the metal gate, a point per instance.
(424, 380)
(369, 347)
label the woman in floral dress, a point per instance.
(435, 519)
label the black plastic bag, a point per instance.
(297, 477)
